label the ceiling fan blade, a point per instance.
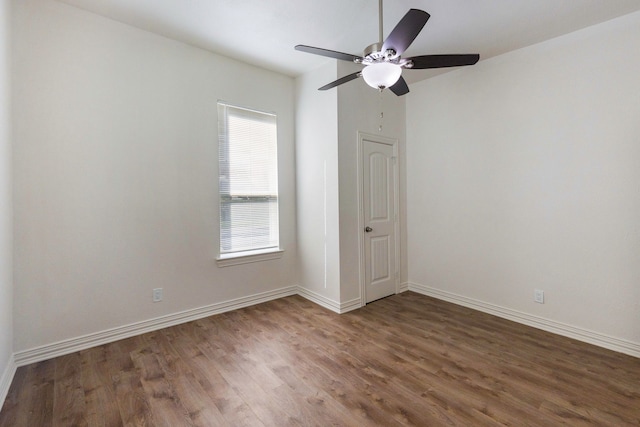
(405, 31)
(327, 52)
(341, 80)
(400, 87)
(443, 61)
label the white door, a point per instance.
(378, 170)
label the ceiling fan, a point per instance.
(382, 62)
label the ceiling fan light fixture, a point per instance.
(381, 75)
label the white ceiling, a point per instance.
(264, 32)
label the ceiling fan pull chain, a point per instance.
(381, 112)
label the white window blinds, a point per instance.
(248, 179)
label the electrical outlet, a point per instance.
(538, 296)
(157, 295)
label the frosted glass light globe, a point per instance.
(381, 75)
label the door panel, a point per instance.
(379, 219)
(378, 190)
(379, 259)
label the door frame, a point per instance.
(393, 142)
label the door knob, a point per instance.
(368, 229)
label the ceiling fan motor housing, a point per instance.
(373, 53)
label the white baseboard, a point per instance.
(354, 304)
(404, 287)
(91, 340)
(328, 303)
(7, 377)
(591, 337)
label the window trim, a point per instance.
(246, 257)
(226, 259)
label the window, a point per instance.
(248, 186)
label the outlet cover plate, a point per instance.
(157, 295)
(538, 296)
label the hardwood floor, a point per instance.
(403, 360)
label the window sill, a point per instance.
(228, 260)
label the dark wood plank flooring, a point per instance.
(403, 360)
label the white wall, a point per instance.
(116, 174)
(327, 125)
(6, 205)
(523, 173)
(359, 108)
(317, 184)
